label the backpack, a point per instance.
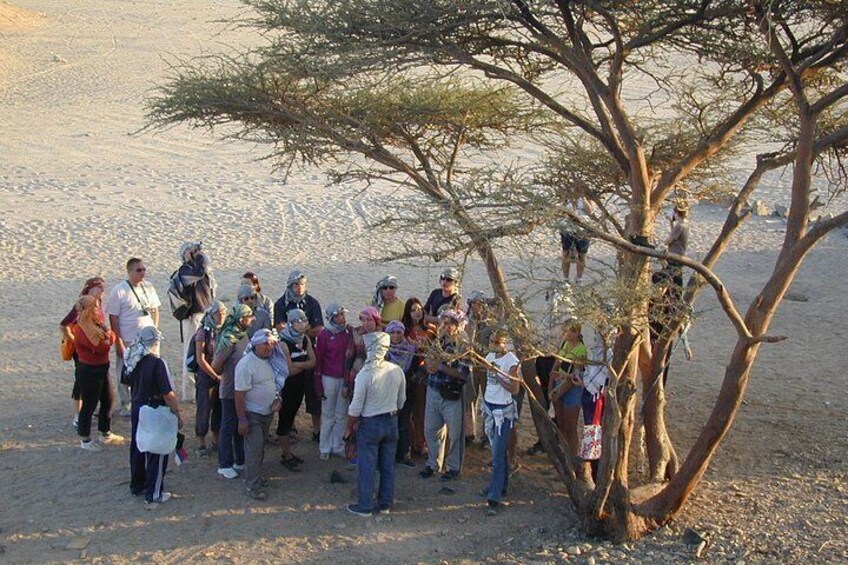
(179, 297)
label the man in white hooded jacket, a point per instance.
(378, 394)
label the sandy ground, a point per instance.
(80, 191)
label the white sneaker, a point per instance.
(228, 473)
(165, 497)
(111, 438)
(238, 467)
(92, 446)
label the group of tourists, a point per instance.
(397, 388)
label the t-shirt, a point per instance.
(261, 320)
(229, 356)
(130, 309)
(495, 392)
(308, 304)
(578, 352)
(255, 377)
(436, 300)
(393, 311)
(207, 337)
(150, 381)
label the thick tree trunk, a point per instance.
(662, 458)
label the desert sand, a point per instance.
(82, 189)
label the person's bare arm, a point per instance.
(174, 404)
(154, 313)
(202, 362)
(114, 323)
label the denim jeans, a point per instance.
(230, 443)
(376, 444)
(500, 467)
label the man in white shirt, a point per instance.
(378, 394)
(256, 401)
(132, 305)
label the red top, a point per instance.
(92, 354)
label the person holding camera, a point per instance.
(133, 304)
(196, 278)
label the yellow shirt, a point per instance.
(393, 311)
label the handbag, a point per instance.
(66, 345)
(157, 430)
(590, 447)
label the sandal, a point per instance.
(291, 463)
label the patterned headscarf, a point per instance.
(290, 334)
(332, 311)
(388, 280)
(372, 312)
(277, 360)
(231, 332)
(148, 337)
(456, 315)
(295, 276)
(209, 315)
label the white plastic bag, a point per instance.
(157, 430)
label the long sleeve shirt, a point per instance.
(380, 388)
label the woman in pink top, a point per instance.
(334, 353)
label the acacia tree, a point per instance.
(428, 92)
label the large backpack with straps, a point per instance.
(179, 297)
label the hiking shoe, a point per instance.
(202, 452)
(449, 476)
(492, 508)
(355, 509)
(408, 463)
(91, 446)
(228, 473)
(109, 437)
(256, 493)
(427, 472)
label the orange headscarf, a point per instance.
(91, 319)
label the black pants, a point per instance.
(92, 381)
(403, 416)
(208, 405)
(292, 397)
(147, 470)
(544, 366)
